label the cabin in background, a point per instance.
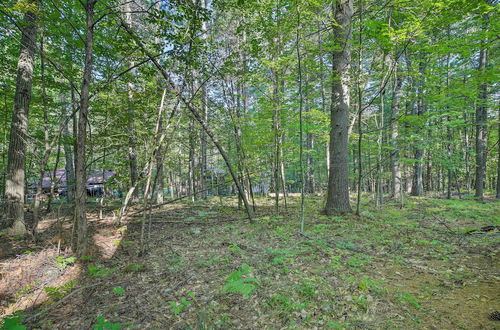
(56, 181)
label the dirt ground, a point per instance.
(432, 264)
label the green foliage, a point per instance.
(62, 262)
(178, 307)
(13, 322)
(239, 282)
(102, 324)
(235, 249)
(57, 292)
(410, 299)
(358, 260)
(118, 290)
(131, 268)
(98, 271)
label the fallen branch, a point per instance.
(57, 303)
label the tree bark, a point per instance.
(498, 163)
(69, 165)
(396, 187)
(417, 188)
(47, 147)
(160, 155)
(80, 220)
(338, 180)
(14, 185)
(481, 125)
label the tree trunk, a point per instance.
(417, 188)
(481, 125)
(80, 220)
(192, 160)
(396, 187)
(132, 140)
(160, 155)
(47, 147)
(498, 164)
(69, 165)
(338, 180)
(309, 181)
(14, 185)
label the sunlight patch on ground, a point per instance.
(24, 280)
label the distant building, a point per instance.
(95, 182)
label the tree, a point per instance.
(338, 180)
(482, 118)
(15, 179)
(80, 217)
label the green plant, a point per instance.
(372, 286)
(62, 262)
(306, 289)
(237, 283)
(102, 324)
(130, 268)
(409, 299)
(57, 292)
(118, 290)
(235, 248)
(13, 322)
(178, 307)
(176, 263)
(98, 271)
(335, 325)
(358, 260)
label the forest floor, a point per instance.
(429, 265)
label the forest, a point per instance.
(249, 164)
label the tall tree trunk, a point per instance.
(448, 128)
(417, 188)
(54, 180)
(80, 220)
(47, 147)
(192, 161)
(309, 180)
(160, 155)
(338, 180)
(396, 187)
(481, 121)
(301, 123)
(132, 140)
(14, 184)
(379, 194)
(203, 135)
(498, 164)
(277, 152)
(69, 165)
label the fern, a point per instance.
(237, 283)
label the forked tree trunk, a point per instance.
(14, 184)
(338, 180)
